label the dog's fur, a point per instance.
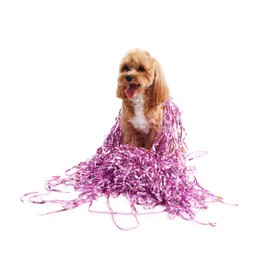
(143, 89)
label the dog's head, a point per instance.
(140, 74)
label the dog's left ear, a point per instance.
(160, 92)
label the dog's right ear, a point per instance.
(120, 92)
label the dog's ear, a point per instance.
(160, 92)
(120, 92)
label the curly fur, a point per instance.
(143, 90)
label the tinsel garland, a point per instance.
(159, 176)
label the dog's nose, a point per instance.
(129, 78)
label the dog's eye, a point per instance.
(125, 68)
(141, 69)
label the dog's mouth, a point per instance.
(130, 91)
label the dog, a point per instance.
(143, 89)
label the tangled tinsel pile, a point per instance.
(147, 178)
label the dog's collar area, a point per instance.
(137, 100)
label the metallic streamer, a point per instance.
(147, 178)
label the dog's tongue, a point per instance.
(131, 90)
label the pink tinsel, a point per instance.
(147, 178)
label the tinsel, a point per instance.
(160, 176)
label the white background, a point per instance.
(58, 70)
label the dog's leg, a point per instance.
(149, 140)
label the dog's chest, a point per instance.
(139, 121)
